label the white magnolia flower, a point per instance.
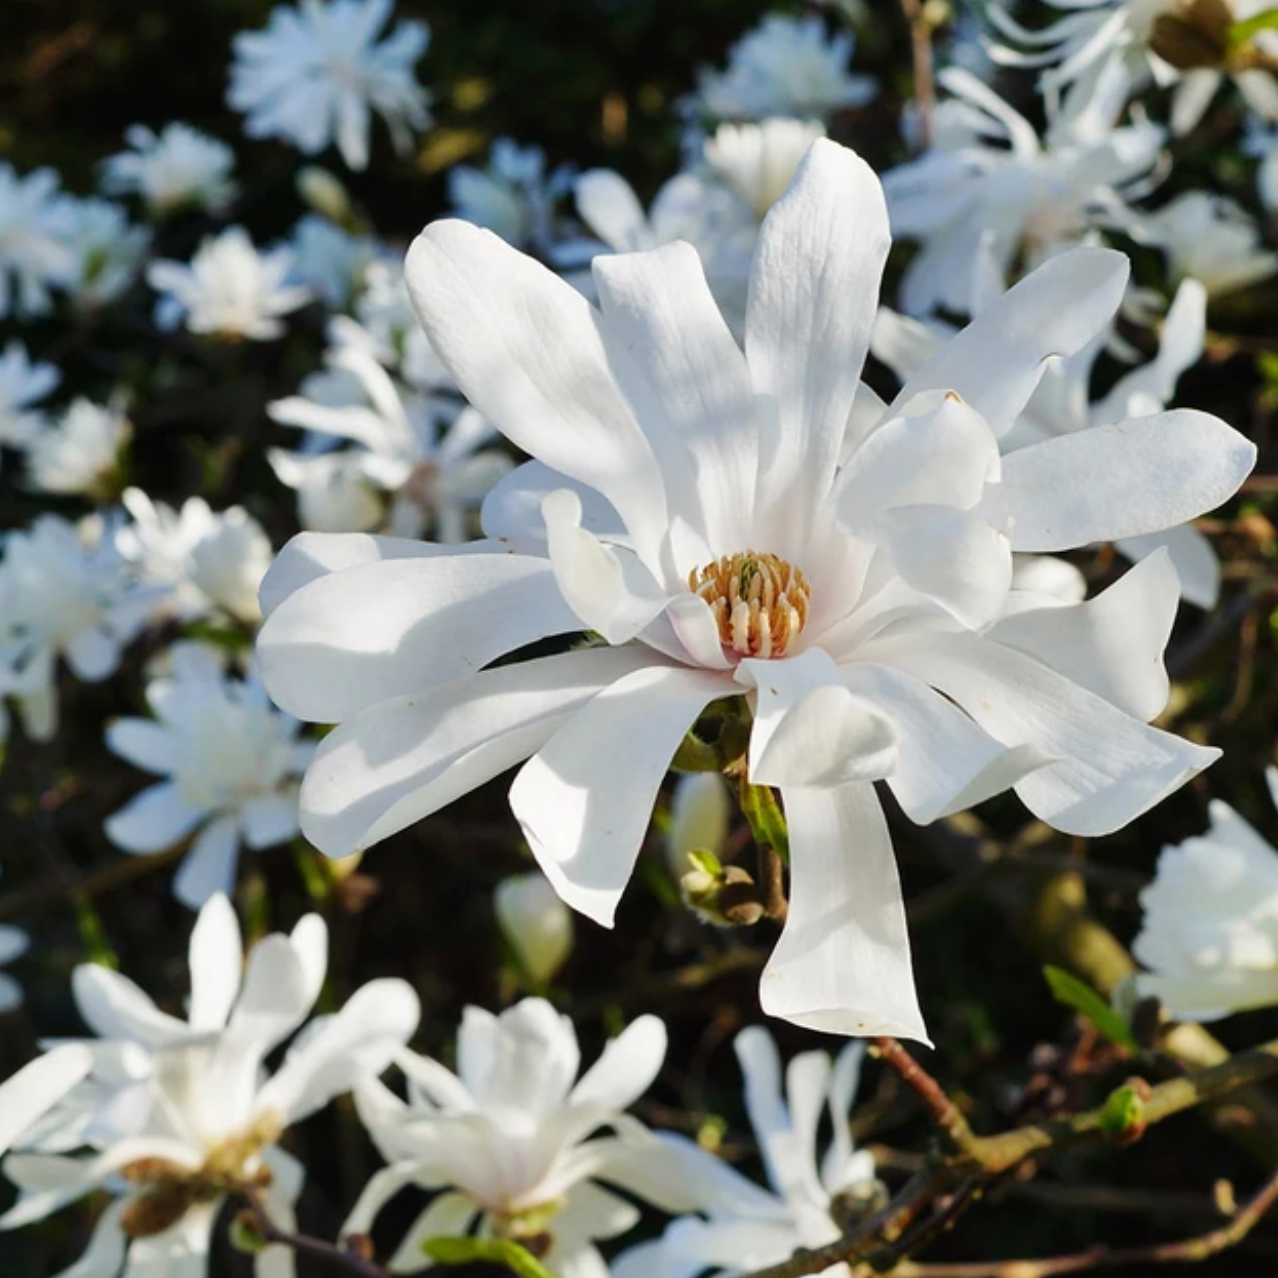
(988, 178)
(536, 924)
(206, 562)
(686, 503)
(14, 943)
(23, 383)
(177, 1116)
(108, 250)
(434, 477)
(229, 289)
(317, 71)
(786, 66)
(1106, 51)
(516, 1140)
(1061, 405)
(230, 764)
(34, 255)
(329, 260)
(1210, 934)
(512, 195)
(80, 452)
(700, 813)
(1209, 238)
(746, 1227)
(64, 591)
(172, 169)
(759, 160)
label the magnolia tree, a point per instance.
(669, 622)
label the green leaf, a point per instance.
(493, 1251)
(1246, 30)
(767, 821)
(1083, 999)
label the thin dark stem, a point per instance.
(334, 1256)
(943, 1110)
(923, 66)
(772, 884)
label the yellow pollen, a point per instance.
(760, 603)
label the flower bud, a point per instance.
(536, 922)
(718, 895)
(699, 812)
(1195, 36)
(323, 192)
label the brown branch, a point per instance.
(944, 1111)
(329, 1253)
(1187, 1251)
(923, 64)
(772, 884)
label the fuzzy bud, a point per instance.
(699, 814)
(536, 922)
(718, 895)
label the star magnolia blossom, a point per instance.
(1210, 935)
(687, 505)
(318, 71)
(747, 1227)
(1061, 405)
(23, 383)
(81, 452)
(513, 195)
(34, 255)
(517, 1140)
(229, 289)
(178, 1115)
(176, 167)
(230, 763)
(108, 250)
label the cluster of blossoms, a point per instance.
(596, 490)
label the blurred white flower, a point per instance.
(699, 814)
(387, 319)
(514, 1141)
(317, 70)
(786, 66)
(206, 561)
(180, 1115)
(229, 289)
(808, 1201)
(758, 160)
(64, 591)
(14, 943)
(535, 922)
(231, 764)
(34, 255)
(329, 260)
(80, 451)
(435, 477)
(1209, 238)
(512, 195)
(709, 515)
(23, 383)
(108, 250)
(333, 493)
(175, 168)
(989, 184)
(1061, 404)
(1210, 933)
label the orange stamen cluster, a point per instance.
(760, 602)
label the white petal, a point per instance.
(39, 1085)
(270, 819)
(945, 761)
(685, 377)
(585, 817)
(512, 507)
(814, 288)
(809, 729)
(347, 641)
(1112, 645)
(627, 1067)
(607, 587)
(106, 1250)
(216, 955)
(995, 362)
(842, 964)
(359, 1041)
(407, 757)
(1134, 477)
(1194, 558)
(524, 348)
(154, 820)
(1112, 768)
(209, 867)
(113, 1007)
(448, 1216)
(144, 743)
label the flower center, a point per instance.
(760, 603)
